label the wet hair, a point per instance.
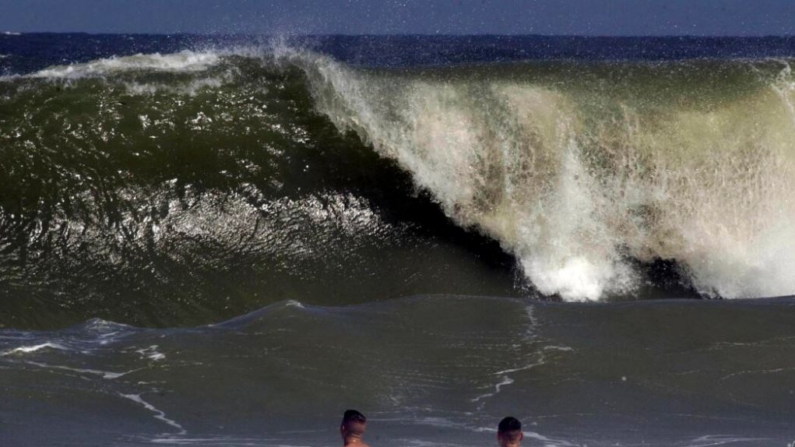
(510, 427)
(353, 417)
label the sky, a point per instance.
(550, 17)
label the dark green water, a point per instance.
(157, 209)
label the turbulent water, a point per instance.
(343, 203)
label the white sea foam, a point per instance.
(151, 353)
(497, 388)
(103, 374)
(559, 348)
(159, 415)
(214, 441)
(34, 348)
(716, 440)
(573, 191)
(185, 61)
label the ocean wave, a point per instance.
(579, 170)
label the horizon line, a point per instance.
(10, 33)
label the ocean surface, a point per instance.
(229, 240)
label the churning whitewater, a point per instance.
(575, 169)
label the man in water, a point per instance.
(509, 432)
(352, 429)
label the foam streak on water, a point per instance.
(29, 349)
(159, 415)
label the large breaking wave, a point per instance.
(580, 170)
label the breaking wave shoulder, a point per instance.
(578, 169)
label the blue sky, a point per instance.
(578, 17)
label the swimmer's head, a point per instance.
(509, 432)
(353, 425)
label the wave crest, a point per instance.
(184, 61)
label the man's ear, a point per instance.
(521, 436)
